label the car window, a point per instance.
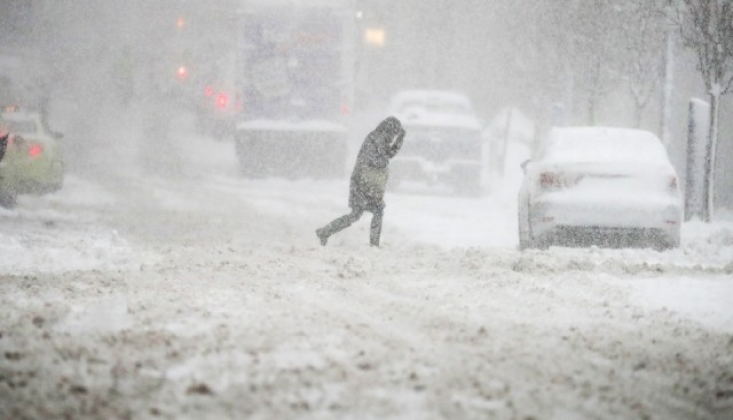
(21, 127)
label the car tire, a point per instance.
(542, 245)
(8, 198)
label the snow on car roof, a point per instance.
(434, 108)
(603, 144)
(424, 95)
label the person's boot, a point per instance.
(322, 236)
(338, 224)
(375, 230)
(374, 239)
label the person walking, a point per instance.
(4, 139)
(369, 180)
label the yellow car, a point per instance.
(33, 162)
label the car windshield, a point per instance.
(603, 145)
(21, 127)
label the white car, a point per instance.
(443, 142)
(600, 186)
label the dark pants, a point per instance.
(347, 220)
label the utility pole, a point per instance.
(666, 121)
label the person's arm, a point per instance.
(397, 145)
(373, 152)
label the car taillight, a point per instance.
(555, 180)
(550, 180)
(222, 101)
(182, 73)
(208, 91)
(35, 149)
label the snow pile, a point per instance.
(203, 295)
(42, 236)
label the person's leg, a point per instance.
(339, 224)
(375, 231)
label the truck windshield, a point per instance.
(293, 64)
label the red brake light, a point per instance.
(35, 149)
(554, 181)
(208, 91)
(673, 183)
(549, 180)
(345, 109)
(182, 73)
(222, 101)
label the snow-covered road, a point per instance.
(208, 296)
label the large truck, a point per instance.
(296, 79)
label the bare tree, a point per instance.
(644, 39)
(573, 48)
(706, 26)
(596, 34)
(536, 56)
(576, 51)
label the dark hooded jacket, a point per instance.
(3, 144)
(370, 175)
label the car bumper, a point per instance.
(606, 222)
(33, 177)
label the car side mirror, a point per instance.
(524, 165)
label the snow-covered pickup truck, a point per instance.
(443, 142)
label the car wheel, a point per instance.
(537, 243)
(543, 244)
(8, 198)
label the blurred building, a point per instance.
(437, 44)
(471, 46)
(16, 22)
